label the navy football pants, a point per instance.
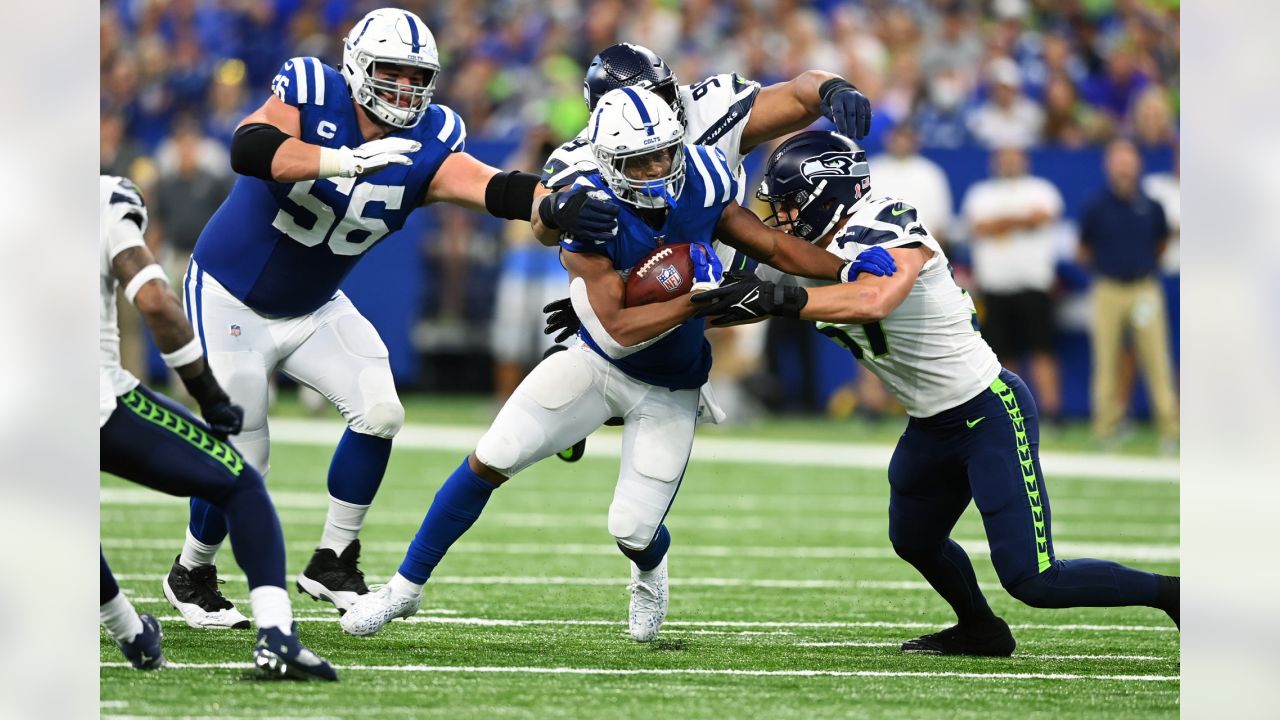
(987, 450)
(155, 442)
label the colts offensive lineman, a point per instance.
(262, 286)
(973, 432)
(147, 438)
(645, 363)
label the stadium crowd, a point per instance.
(1008, 75)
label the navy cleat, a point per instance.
(144, 652)
(278, 656)
(991, 640)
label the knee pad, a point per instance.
(381, 419)
(1035, 591)
(628, 527)
(499, 450)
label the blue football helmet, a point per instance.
(627, 65)
(812, 181)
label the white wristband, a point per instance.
(184, 355)
(144, 276)
(330, 162)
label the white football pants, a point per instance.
(570, 394)
(334, 351)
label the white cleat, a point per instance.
(195, 594)
(370, 612)
(648, 601)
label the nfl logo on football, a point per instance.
(670, 278)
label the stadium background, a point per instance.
(178, 75)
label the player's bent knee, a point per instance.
(499, 451)
(914, 553)
(630, 529)
(381, 419)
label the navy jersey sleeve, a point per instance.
(303, 81)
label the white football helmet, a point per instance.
(638, 142)
(395, 37)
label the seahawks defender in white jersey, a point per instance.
(263, 285)
(973, 432)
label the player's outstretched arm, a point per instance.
(597, 293)
(148, 289)
(870, 298)
(740, 228)
(793, 105)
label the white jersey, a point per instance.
(122, 220)
(716, 111)
(928, 351)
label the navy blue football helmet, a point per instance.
(812, 181)
(627, 65)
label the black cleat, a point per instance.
(195, 594)
(1170, 592)
(144, 651)
(278, 656)
(614, 422)
(334, 578)
(991, 640)
(575, 453)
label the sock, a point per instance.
(207, 524)
(404, 587)
(650, 557)
(271, 608)
(120, 619)
(950, 573)
(357, 467)
(197, 554)
(342, 524)
(456, 506)
(107, 587)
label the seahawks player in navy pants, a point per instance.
(973, 432)
(153, 441)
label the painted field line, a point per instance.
(692, 671)
(326, 433)
(973, 546)
(506, 622)
(1016, 656)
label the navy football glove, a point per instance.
(561, 318)
(748, 300)
(874, 260)
(848, 108)
(583, 213)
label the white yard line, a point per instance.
(1032, 656)
(693, 671)
(756, 450)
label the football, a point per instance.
(663, 274)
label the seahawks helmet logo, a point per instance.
(829, 164)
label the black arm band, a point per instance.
(832, 85)
(204, 387)
(546, 210)
(253, 147)
(509, 195)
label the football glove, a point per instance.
(223, 417)
(561, 318)
(370, 157)
(708, 271)
(848, 108)
(583, 213)
(874, 261)
(749, 300)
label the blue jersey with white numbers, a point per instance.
(682, 359)
(283, 248)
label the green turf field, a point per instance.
(787, 602)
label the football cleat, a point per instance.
(372, 611)
(196, 595)
(649, 598)
(991, 640)
(575, 453)
(144, 652)
(278, 656)
(334, 578)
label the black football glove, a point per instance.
(223, 416)
(847, 107)
(561, 318)
(581, 212)
(743, 301)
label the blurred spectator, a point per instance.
(1068, 122)
(1113, 91)
(185, 197)
(1165, 188)
(904, 173)
(1009, 118)
(942, 117)
(1011, 219)
(1153, 119)
(117, 152)
(954, 47)
(1122, 235)
(228, 101)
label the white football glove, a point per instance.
(367, 159)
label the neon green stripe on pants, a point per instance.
(1029, 481)
(145, 408)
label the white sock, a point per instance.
(120, 619)
(342, 524)
(195, 553)
(400, 585)
(271, 608)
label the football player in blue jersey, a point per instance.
(149, 439)
(647, 364)
(329, 165)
